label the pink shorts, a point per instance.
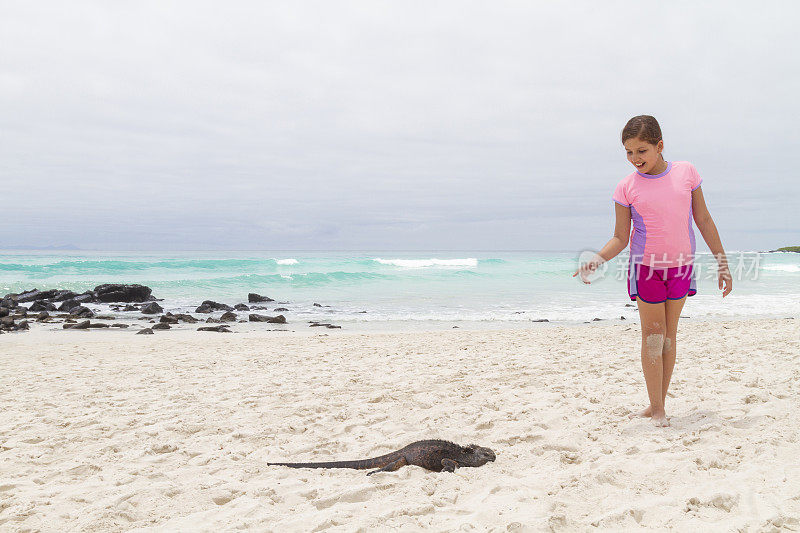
(657, 285)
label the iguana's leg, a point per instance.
(448, 465)
(391, 467)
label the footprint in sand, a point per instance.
(224, 496)
(355, 496)
(725, 502)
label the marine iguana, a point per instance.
(435, 455)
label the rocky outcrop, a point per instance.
(60, 296)
(219, 329)
(323, 325)
(41, 305)
(209, 306)
(79, 325)
(228, 316)
(257, 298)
(34, 295)
(280, 319)
(118, 292)
(81, 312)
(86, 324)
(152, 309)
(66, 305)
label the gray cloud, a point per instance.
(384, 124)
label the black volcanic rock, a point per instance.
(60, 296)
(34, 295)
(40, 305)
(161, 325)
(4, 311)
(279, 309)
(118, 292)
(80, 325)
(169, 318)
(228, 316)
(219, 329)
(68, 304)
(85, 297)
(152, 308)
(256, 298)
(241, 307)
(209, 306)
(145, 331)
(81, 312)
(280, 319)
(183, 317)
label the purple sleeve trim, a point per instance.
(625, 205)
(698, 186)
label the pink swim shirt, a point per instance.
(661, 211)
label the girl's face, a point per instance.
(644, 156)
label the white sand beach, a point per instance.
(110, 431)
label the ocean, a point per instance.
(386, 290)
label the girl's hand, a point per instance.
(586, 269)
(725, 279)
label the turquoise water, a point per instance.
(403, 286)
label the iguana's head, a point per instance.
(474, 455)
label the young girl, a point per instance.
(660, 198)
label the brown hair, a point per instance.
(642, 127)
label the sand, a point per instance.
(110, 431)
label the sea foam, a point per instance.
(286, 261)
(781, 268)
(422, 263)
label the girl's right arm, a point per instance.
(617, 243)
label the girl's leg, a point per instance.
(653, 319)
(672, 314)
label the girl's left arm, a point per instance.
(710, 234)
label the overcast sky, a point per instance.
(386, 125)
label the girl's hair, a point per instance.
(642, 127)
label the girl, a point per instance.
(660, 198)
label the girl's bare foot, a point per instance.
(644, 413)
(659, 418)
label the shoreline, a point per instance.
(147, 433)
(251, 329)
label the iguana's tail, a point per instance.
(358, 465)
